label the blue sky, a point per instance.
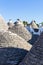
(23, 9)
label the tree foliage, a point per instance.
(25, 23)
(41, 23)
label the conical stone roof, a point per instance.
(13, 40)
(3, 25)
(10, 24)
(21, 31)
(19, 22)
(35, 56)
(33, 25)
(8, 42)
